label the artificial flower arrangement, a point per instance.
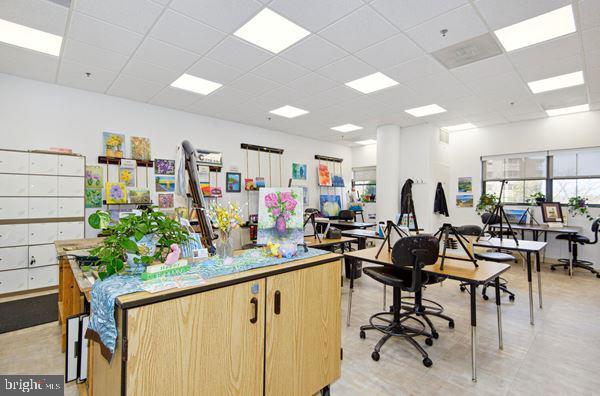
(226, 218)
(281, 206)
(579, 206)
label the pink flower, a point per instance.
(286, 196)
(286, 216)
(276, 212)
(290, 205)
(271, 200)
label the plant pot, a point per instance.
(280, 225)
(224, 247)
(540, 201)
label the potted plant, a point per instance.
(135, 240)
(536, 198)
(579, 206)
(486, 203)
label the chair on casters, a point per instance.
(409, 256)
(574, 240)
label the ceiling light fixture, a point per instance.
(568, 110)
(538, 29)
(557, 82)
(288, 111)
(372, 82)
(271, 31)
(347, 128)
(26, 37)
(459, 127)
(195, 84)
(366, 142)
(425, 110)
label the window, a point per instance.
(525, 174)
(576, 172)
(364, 182)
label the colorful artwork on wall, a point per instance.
(164, 167)
(139, 195)
(165, 183)
(249, 184)
(259, 182)
(140, 148)
(93, 176)
(465, 184)
(305, 199)
(464, 200)
(165, 201)
(299, 171)
(203, 174)
(330, 205)
(280, 216)
(116, 193)
(128, 172)
(338, 181)
(113, 144)
(93, 197)
(324, 176)
(233, 182)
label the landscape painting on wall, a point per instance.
(280, 216)
(140, 148)
(465, 184)
(330, 205)
(165, 183)
(298, 171)
(113, 144)
(139, 195)
(464, 200)
(324, 176)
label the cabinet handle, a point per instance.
(254, 301)
(32, 262)
(277, 302)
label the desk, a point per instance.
(459, 270)
(362, 235)
(313, 242)
(527, 247)
(345, 225)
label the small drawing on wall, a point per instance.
(464, 200)
(465, 184)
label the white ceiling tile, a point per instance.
(589, 13)
(546, 52)
(388, 53)
(554, 68)
(29, 64)
(175, 98)
(232, 96)
(38, 14)
(408, 13)
(254, 84)
(502, 13)
(526, 116)
(313, 53)
(147, 71)
(83, 53)
(492, 120)
(277, 97)
(362, 28)
(165, 55)
(103, 35)
(469, 105)
(590, 39)
(238, 54)
(462, 23)
(280, 70)
(592, 59)
(181, 31)
(163, 2)
(415, 69)
(346, 69)
(226, 15)
(522, 105)
(439, 86)
(505, 87)
(312, 84)
(73, 74)
(314, 15)
(565, 97)
(486, 68)
(399, 96)
(214, 71)
(135, 15)
(317, 101)
(342, 93)
(593, 80)
(134, 88)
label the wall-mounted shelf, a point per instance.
(329, 159)
(263, 149)
(117, 161)
(126, 203)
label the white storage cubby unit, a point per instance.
(41, 201)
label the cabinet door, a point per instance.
(13, 281)
(303, 333)
(70, 207)
(13, 235)
(70, 186)
(13, 258)
(13, 208)
(40, 255)
(216, 338)
(42, 277)
(43, 164)
(14, 185)
(71, 230)
(71, 166)
(42, 208)
(14, 162)
(43, 186)
(40, 233)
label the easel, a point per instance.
(444, 232)
(524, 215)
(410, 210)
(390, 225)
(311, 217)
(501, 214)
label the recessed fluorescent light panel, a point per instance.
(195, 84)
(347, 128)
(371, 83)
(459, 127)
(558, 82)
(425, 110)
(271, 31)
(366, 142)
(538, 29)
(33, 39)
(288, 111)
(568, 110)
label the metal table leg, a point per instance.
(384, 297)
(473, 291)
(351, 290)
(570, 258)
(499, 312)
(539, 276)
(530, 288)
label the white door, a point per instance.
(71, 166)
(13, 208)
(41, 255)
(12, 281)
(13, 235)
(43, 164)
(40, 233)
(42, 208)
(14, 185)
(70, 207)
(70, 186)
(14, 162)
(43, 277)
(13, 258)
(71, 230)
(43, 186)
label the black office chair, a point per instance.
(574, 240)
(409, 256)
(346, 215)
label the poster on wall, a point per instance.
(259, 182)
(113, 144)
(164, 167)
(298, 171)
(249, 185)
(139, 195)
(116, 193)
(280, 216)
(324, 177)
(465, 184)
(93, 176)
(203, 174)
(140, 148)
(337, 181)
(233, 182)
(464, 200)
(128, 172)
(330, 205)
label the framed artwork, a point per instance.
(165, 201)
(305, 199)
(203, 174)
(464, 200)
(165, 183)
(337, 181)
(280, 216)
(116, 193)
(128, 172)
(259, 182)
(324, 177)
(552, 212)
(298, 171)
(164, 167)
(249, 184)
(330, 205)
(140, 148)
(139, 195)
(93, 176)
(216, 192)
(465, 184)
(516, 216)
(113, 144)
(93, 197)
(233, 182)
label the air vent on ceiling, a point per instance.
(64, 3)
(444, 136)
(468, 51)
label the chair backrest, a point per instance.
(309, 211)
(346, 215)
(472, 230)
(415, 252)
(595, 227)
(490, 218)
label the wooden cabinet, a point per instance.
(70, 207)
(43, 186)
(40, 233)
(40, 255)
(13, 281)
(70, 186)
(13, 208)
(14, 162)
(43, 208)
(14, 258)
(13, 235)
(70, 230)
(14, 185)
(71, 166)
(42, 277)
(43, 164)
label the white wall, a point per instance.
(364, 156)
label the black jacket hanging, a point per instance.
(439, 203)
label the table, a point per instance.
(313, 242)
(459, 270)
(527, 247)
(362, 235)
(345, 225)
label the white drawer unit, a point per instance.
(43, 186)
(43, 164)
(14, 162)
(13, 281)
(13, 235)
(71, 230)
(40, 233)
(70, 207)
(43, 208)
(71, 166)
(14, 258)
(42, 277)
(70, 186)
(14, 185)
(13, 208)
(41, 255)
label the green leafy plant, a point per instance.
(486, 203)
(579, 206)
(536, 198)
(122, 237)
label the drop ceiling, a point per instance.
(137, 48)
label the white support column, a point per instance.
(388, 172)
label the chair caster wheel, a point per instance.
(552, 269)
(485, 297)
(597, 275)
(429, 341)
(451, 324)
(435, 335)
(427, 362)
(362, 334)
(462, 288)
(511, 298)
(375, 356)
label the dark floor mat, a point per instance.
(28, 312)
